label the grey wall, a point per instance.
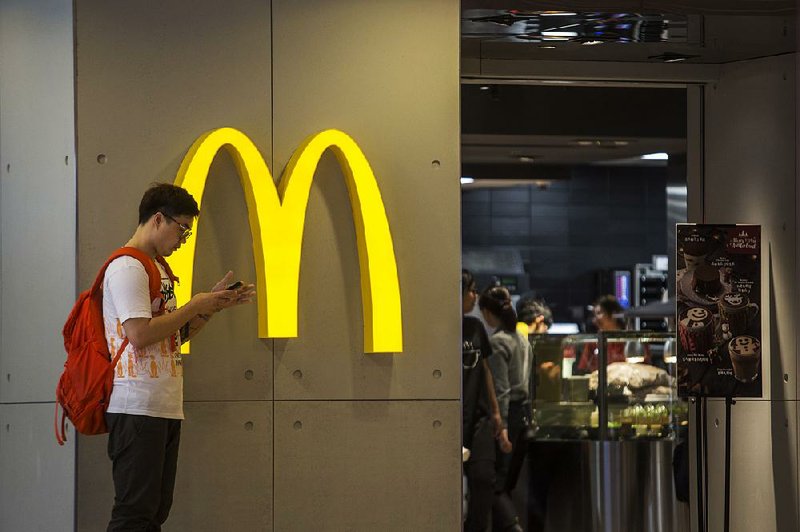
(37, 272)
(601, 217)
(750, 177)
(322, 436)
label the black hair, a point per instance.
(167, 199)
(497, 300)
(530, 309)
(611, 307)
(467, 280)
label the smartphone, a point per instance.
(234, 286)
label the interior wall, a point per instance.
(152, 77)
(599, 218)
(378, 434)
(37, 270)
(750, 177)
(307, 433)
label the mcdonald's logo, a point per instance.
(277, 218)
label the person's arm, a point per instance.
(498, 363)
(486, 349)
(500, 430)
(243, 294)
(497, 419)
(142, 332)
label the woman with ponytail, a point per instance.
(511, 368)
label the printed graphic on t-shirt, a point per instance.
(154, 361)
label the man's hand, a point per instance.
(504, 442)
(211, 302)
(225, 281)
(239, 296)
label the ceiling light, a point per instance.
(621, 142)
(486, 87)
(547, 47)
(557, 14)
(526, 158)
(561, 34)
(591, 43)
(661, 156)
(584, 142)
(467, 180)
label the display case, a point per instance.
(606, 421)
(607, 386)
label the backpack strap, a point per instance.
(164, 264)
(153, 274)
(150, 267)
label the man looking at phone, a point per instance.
(146, 406)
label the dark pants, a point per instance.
(480, 481)
(480, 478)
(504, 514)
(144, 452)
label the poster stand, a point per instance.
(698, 418)
(718, 318)
(728, 402)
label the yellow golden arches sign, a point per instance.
(277, 218)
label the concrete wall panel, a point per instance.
(764, 466)
(36, 484)
(224, 471)
(37, 269)
(365, 69)
(152, 77)
(37, 195)
(225, 468)
(367, 465)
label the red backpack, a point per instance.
(84, 388)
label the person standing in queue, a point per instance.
(511, 366)
(482, 422)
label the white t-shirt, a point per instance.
(147, 381)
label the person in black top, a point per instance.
(482, 423)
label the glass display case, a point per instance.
(606, 422)
(608, 386)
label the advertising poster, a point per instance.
(718, 321)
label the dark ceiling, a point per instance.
(529, 129)
(536, 128)
(703, 31)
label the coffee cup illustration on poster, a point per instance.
(718, 292)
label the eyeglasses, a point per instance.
(186, 231)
